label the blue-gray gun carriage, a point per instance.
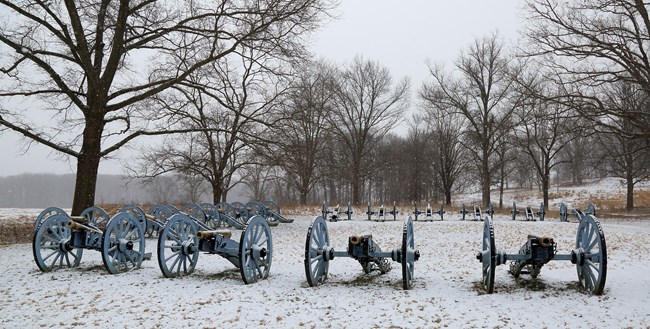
(336, 212)
(417, 212)
(490, 210)
(514, 211)
(564, 213)
(60, 239)
(184, 237)
(257, 208)
(370, 212)
(428, 213)
(463, 212)
(589, 256)
(273, 211)
(161, 213)
(229, 216)
(477, 213)
(319, 252)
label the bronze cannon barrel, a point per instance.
(209, 234)
(81, 227)
(356, 239)
(543, 241)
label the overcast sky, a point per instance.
(401, 35)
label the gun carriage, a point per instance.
(319, 253)
(60, 239)
(184, 237)
(589, 256)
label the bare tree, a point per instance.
(368, 107)
(542, 131)
(445, 154)
(228, 103)
(83, 63)
(480, 96)
(300, 145)
(625, 157)
(590, 43)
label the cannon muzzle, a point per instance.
(356, 239)
(543, 241)
(209, 234)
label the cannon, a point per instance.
(477, 213)
(563, 213)
(273, 211)
(463, 212)
(393, 212)
(591, 209)
(256, 208)
(417, 212)
(59, 240)
(319, 252)
(589, 256)
(161, 213)
(514, 211)
(428, 213)
(336, 212)
(490, 210)
(530, 214)
(184, 237)
(370, 212)
(228, 215)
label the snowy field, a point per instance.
(446, 292)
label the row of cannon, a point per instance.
(429, 214)
(60, 239)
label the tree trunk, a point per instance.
(546, 182)
(629, 205)
(87, 167)
(217, 192)
(448, 197)
(485, 177)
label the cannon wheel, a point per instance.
(272, 206)
(256, 208)
(563, 213)
(51, 211)
(241, 212)
(137, 212)
(97, 217)
(349, 212)
(255, 250)
(123, 243)
(161, 213)
(591, 240)
(195, 211)
(213, 220)
(514, 210)
(488, 256)
(408, 254)
(316, 252)
(52, 247)
(178, 246)
(233, 218)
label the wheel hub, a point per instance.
(188, 248)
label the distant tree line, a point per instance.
(238, 100)
(49, 190)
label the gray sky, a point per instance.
(400, 35)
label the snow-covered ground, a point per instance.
(446, 290)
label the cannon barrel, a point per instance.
(356, 239)
(543, 241)
(209, 234)
(81, 227)
(79, 219)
